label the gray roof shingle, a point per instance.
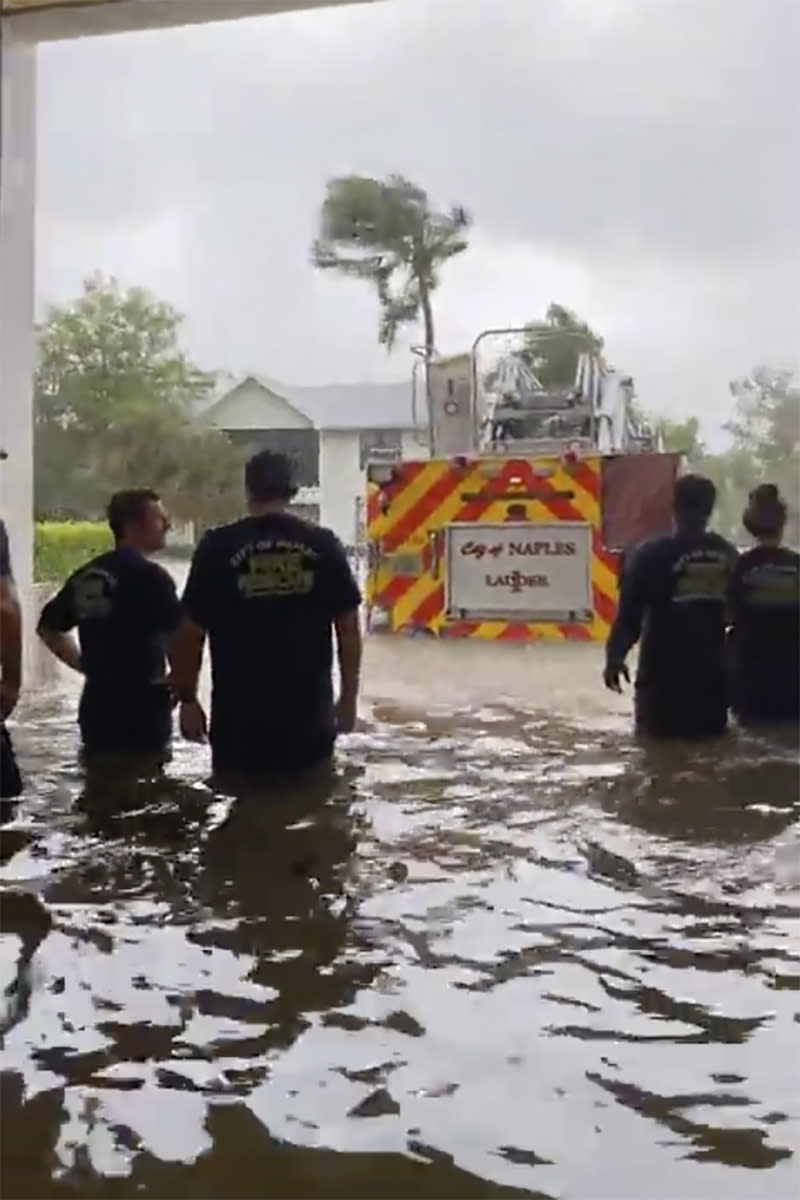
(347, 405)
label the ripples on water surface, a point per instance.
(504, 952)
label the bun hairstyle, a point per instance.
(765, 515)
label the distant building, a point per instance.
(328, 432)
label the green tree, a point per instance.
(553, 346)
(117, 405)
(682, 437)
(765, 447)
(765, 428)
(734, 473)
(386, 232)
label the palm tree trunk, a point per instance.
(427, 320)
(430, 350)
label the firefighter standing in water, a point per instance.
(124, 607)
(673, 598)
(765, 617)
(269, 591)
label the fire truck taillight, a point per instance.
(460, 462)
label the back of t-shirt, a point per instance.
(124, 606)
(267, 590)
(684, 579)
(765, 607)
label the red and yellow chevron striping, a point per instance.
(405, 519)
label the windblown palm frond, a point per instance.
(385, 231)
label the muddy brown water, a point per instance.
(503, 951)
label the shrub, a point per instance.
(60, 547)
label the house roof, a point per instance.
(342, 405)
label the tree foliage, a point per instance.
(765, 447)
(682, 437)
(386, 232)
(765, 433)
(553, 346)
(117, 405)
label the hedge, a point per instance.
(59, 547)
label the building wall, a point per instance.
(17, 198)
(301, 446)
(413, 444)
(343, 481)
(340, 481)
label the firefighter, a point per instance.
(765, 617)
(673, 597)
(124, 607)
(269, 591)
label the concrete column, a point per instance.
(17, 211)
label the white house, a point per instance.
(328, 432)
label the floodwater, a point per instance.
(503, 952)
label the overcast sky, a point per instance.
(634, 159)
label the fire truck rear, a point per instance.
(512, 528)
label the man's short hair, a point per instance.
(269, 476)
(694, 496)
(766, 512)
(127, 507)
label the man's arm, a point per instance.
(186, 646)
(56, 622)
(349, 645)
(10, 632)
(627, 626)
(343, 597)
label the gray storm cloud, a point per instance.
(665, 129)
(652, 142)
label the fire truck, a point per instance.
(510, 525)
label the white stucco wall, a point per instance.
(340, 482)
(17, 199)
(413, 443)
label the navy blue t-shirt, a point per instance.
(673, 601)
(124, 607)
(267, 591)
(765, 614)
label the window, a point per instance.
(299, 445)
(382, 440)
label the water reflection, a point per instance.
(498, 951)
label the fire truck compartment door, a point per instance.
(519, 571)
(637, 497)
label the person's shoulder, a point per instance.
(326, 539)
(157, 572)
(748, 558)
(650, 550)
(218, 537)
(715, 541)
(107, 562)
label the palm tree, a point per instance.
(385, 231)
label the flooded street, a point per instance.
(502, 952)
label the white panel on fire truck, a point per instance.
(519, 571)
